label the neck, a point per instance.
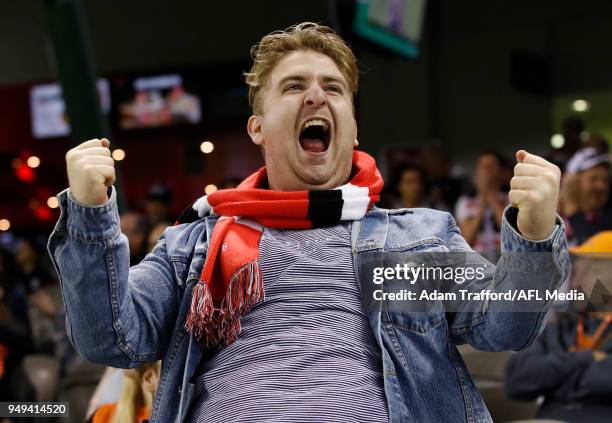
(296, 185)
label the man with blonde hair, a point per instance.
(253, 300)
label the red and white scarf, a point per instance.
(231, 281)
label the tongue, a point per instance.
(312, 145)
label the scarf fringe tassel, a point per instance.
(220, 326)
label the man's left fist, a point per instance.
(534, 190)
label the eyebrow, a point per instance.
(300, 78)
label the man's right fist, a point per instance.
(90, 170)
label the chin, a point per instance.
(318, 180)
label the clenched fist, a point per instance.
(90, 170)
(534, 190)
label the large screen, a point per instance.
(48, 109)
(394, 24)
(154, 101)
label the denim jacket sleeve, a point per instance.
(115, 315)
(523, 265)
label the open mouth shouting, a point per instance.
(315, 135)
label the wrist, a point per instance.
(543, 232)
(89, 201)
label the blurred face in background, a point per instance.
(154, 235)
(26, 256)
(134, 228)
(488, 173)
(157, 211)
(594, 187)
(306, 128)
(411, 188)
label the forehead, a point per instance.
(487, 159)
(305, 63)
(599, 170)
(410, 173)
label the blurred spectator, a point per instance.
(585, 194)
(444, 177)
(598, 142)
(159, 200)
(15, 339)
(135, 227)
(570, 366)
(572, 131)
(34, 266)
(107, 391)
(480, 215)
(154, 236)
(136, 398)
(408, 187)
(44, 296)
(48, 333)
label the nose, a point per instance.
(315, 96)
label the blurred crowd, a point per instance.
(569, 369)
(477, 199)
(37, 361)
(568, 365)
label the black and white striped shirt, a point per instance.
(306, 353)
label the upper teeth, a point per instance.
(318, 122)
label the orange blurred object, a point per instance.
(3, 355)
(601, 242)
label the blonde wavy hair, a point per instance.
(132, 397)
(304, 36)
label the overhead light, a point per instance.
(118, 154)
(581, 105)
(5, 224)
(557, 141)
(210, 188)
(33, 162)
(207, 147)
(52, 202)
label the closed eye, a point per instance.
(292, 87)
(333, 88)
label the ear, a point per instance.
(356, 144)
(149, 380)
(255, 130)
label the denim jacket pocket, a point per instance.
(425, 244)
(419, 322)
(180, 266)
(416, 315)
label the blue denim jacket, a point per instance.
(122, 316)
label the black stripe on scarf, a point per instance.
(189, 215)
(325, 207)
